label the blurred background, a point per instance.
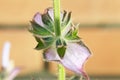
(99, 28)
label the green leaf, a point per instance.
(39, 30)
(40, 46)
(72, 36)
(61, 51)
(44, 43)
(66, 20)
(64, 15)
(67, 17)
(48, 21)
(58, 42)
(61, 47)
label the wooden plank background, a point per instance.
(105, 47)
(83, 11)
(103, 42)
(22, 50)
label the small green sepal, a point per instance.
(61, 51)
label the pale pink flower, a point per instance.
(75, 57)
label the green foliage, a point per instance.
(61, 47)
(44, 43)
(66, 20)
(48, 34)
(40, 30)
(43, 35)
(72, 35)
(48, 22)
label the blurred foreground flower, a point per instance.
(9, 72)
(67, 49)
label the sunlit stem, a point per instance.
(61, 72)
(56, 4)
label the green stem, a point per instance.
(61, 72)
(57, 23)
(56, 4)
(81, 77)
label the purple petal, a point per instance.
(76, 54)
(14, 73)
(38, 19)
(6, 55)
(51, 13)
(74, 59)
(51, 55)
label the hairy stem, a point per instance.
(57, 23)
(56, 4)
(61, 72)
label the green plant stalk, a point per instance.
(81, 78)
(61, 72)
(56, 5)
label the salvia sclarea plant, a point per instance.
(9, 71)
(58, 37)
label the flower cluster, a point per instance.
(67, 49)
